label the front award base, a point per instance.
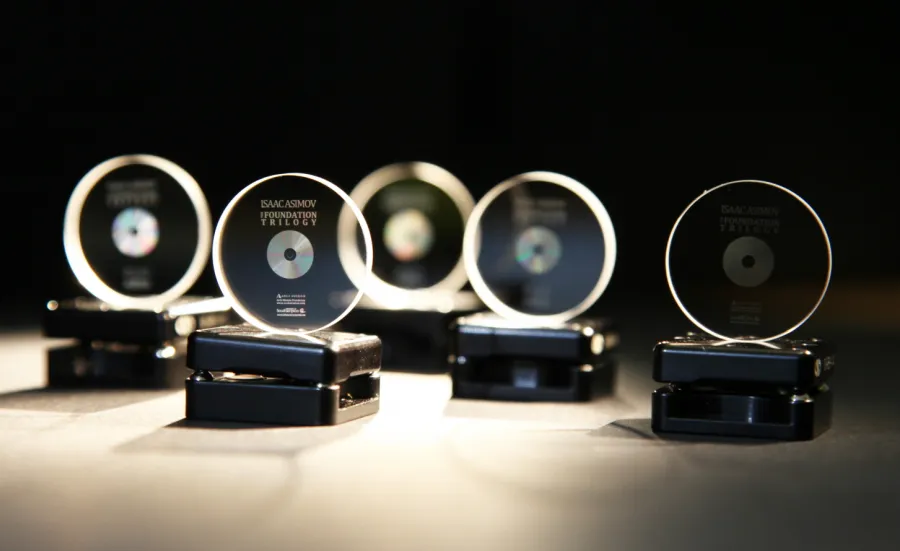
(125, 348)
(244, 375)
(762, 415)
(493, 358)
(775, 390)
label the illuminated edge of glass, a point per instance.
(471, 248)
(379, 291)
(697, 322)
(222, 279)
(75, 252)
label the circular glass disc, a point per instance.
(418, 212)
(275, 254)
(539, 248)
(137, 231)
(748, 261)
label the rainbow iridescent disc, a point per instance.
(538, 249)
(408, 235)
(135, 232)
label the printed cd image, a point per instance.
(408, 235)
(539, 248)
(290, 254)
(418, 213)
(137, 231)
(748, 261)
(275, 254)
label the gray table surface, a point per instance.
(120, 471)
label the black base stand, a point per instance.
(124, 348)
(774, 390)
(412, 339)
(242, 374)
(101, 365)
(493, 359)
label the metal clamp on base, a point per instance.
(242, 374)
(493, 358)
(139, 348)
(774, 390)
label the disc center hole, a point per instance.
(748, 261)
(290, 254)
(133, 230)
(538, 249)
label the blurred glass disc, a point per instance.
(137, 231)
(539, 248)
(275, 254)
(748, 260)
(418, 213)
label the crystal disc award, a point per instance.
(748, 262)
(540, 249)
(417, 212)
(137, 236)
(275, 256)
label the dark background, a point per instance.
(648, 103)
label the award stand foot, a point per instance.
(124, 348)
(492, 358)
(244, 375)
(775, 390)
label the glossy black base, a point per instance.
(788, 363)
(412, 339)
(116, 366)
(245, 375)
(719, 413)
(88, 319)
(486, 335)
(774, 390)
(271, 401)
(529, 381)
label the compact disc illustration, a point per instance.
(275, 254)
(137, 231)
(539, 248)
(748, 260)
(408, 235)
(418, 212)
(290, 254)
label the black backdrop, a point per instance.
(648, 103)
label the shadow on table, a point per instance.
(58, 400)
(207, 437)
(283, 444)
(578, 413)
(640, 429)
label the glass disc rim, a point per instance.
(74, 251)
(377, 289)
(222, 278)
(471, 248)
(696, 321)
